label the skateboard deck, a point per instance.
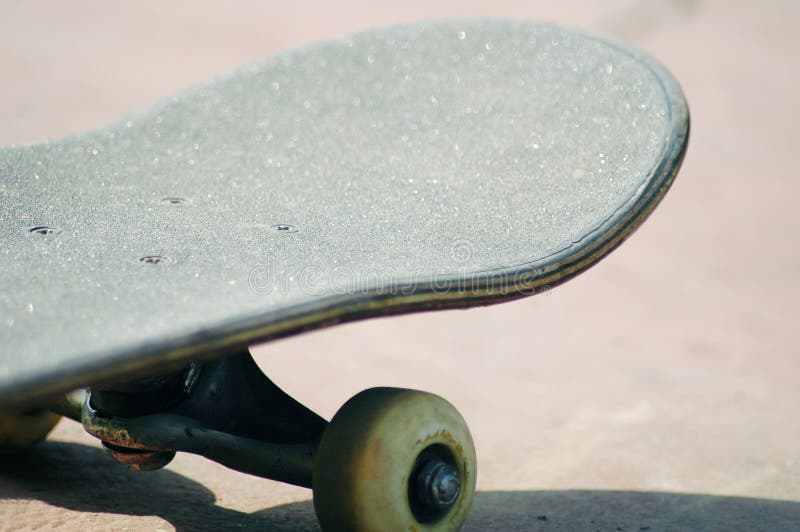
(423, 166)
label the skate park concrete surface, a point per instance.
(658, 391)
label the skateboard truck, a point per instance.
(226, 410)
(230, 412)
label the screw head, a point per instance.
(44, 230)
(154, 259)
(284, 228)
(174, 200)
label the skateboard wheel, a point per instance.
(19, 431)
(394, 459)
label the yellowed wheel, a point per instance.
(19, 431)
(394, 459)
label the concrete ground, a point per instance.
(659, 391)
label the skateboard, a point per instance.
(425, 166)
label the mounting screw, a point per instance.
(284, 228)
(175, 201)
(44, 230)
(154, 259)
